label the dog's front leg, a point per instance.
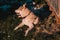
(19, 26)
(30, 27)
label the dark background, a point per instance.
(9, 20)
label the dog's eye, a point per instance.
(21, 8)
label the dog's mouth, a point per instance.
(18, 15)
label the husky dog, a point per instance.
(29, 18)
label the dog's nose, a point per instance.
(17, 11)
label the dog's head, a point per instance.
(22, 11)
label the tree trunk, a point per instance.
(54, 6)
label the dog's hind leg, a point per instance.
(36, 21)
(30, 27)
(19, 26)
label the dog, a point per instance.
(29, 18)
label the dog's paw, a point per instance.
(16, 28)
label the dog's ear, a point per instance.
(24, 5)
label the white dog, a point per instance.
(28, 18)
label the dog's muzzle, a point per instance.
(18, 13)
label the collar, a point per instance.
(27, 15)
